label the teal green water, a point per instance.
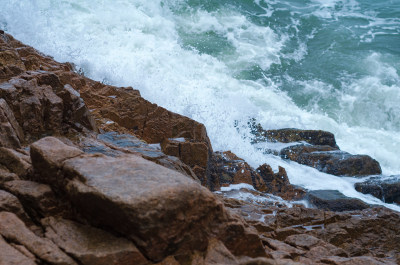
(331, 50)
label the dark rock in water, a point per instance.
(289, 135)
(333, 200)
(226, 168)
(388, 189)
(332, 161)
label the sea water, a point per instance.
(311, 64)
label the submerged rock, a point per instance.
(387, 189)
(332, 161)
(333, 200)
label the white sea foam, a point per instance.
(137, 43)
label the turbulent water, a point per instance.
(312, 64)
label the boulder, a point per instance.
(161, 210)
(332, 161)
(333, 200)
(91, 246)
(386, 189)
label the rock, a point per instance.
(329, 160)
(47, 154)
(388, 189)
(195, 154)
(15, 162)
(37, 198)
(354, 261)
(91, 246)
(13, 229)
(6, 175)
(304, 241)
(114, 144)
(159, 209)
(11, 256)
(289, 251)
(11, 134)
(333, 200)
(226, 168)
(41, 105)
(10, 203)
(125, 106)
(217, 253)
(278, 183)
(288, 135)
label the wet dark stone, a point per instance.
(386, 189)
(333, 200)
(289, 135)
(329, 160)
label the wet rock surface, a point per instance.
(333, 200)
(387, 189)
(289, 135)
(95, 174)
(332, 161)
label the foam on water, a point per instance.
(215, 65)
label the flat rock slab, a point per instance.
(158, 208)
(387, 189)
(333, 200)
(92, 246)
(332, 161)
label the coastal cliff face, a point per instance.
(95, 174)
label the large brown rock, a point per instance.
(161, 210)
(332, 161)
(92, 246)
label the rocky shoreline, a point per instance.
(95, 174)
